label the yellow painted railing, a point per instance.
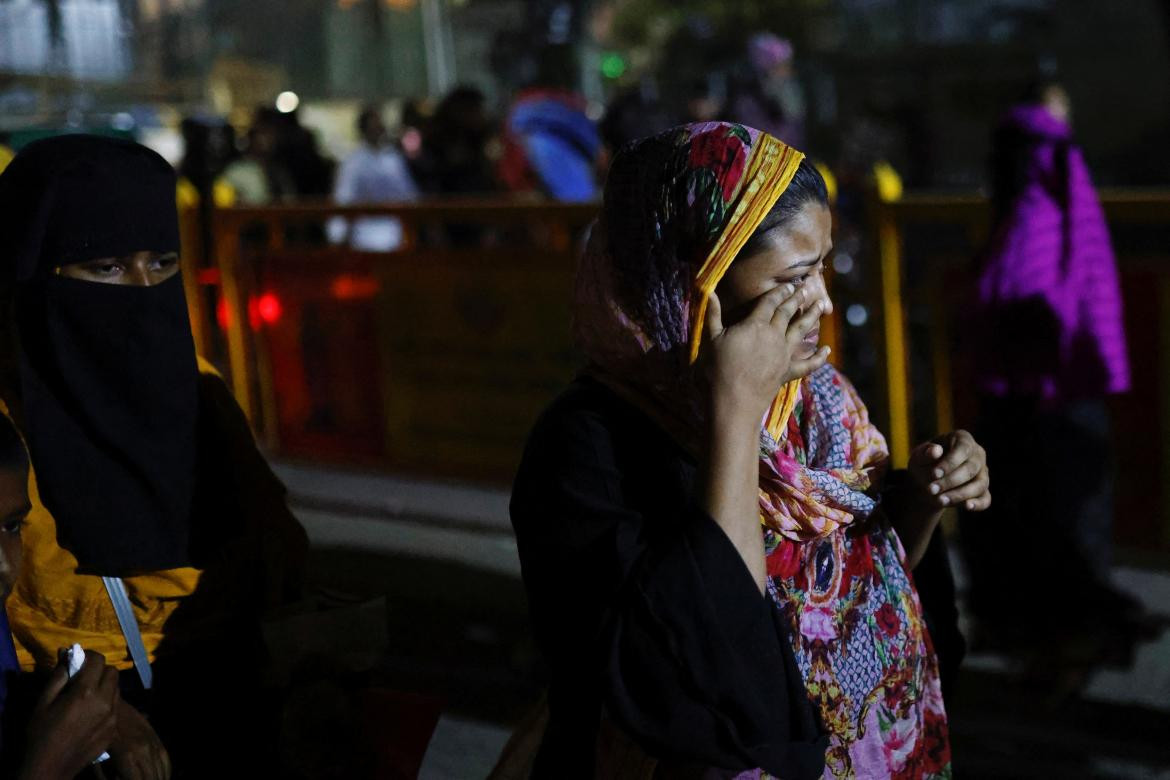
(399, 358)
(502, 294)
(520, 255)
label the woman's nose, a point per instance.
(821, 292)
(140, 276)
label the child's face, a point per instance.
(14, 508)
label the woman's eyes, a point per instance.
(13, 525)
(163, 264)
(800, 280)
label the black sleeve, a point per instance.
(655, 619)
(266, 542)
(935, 582)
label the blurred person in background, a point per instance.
(766, 94)
(209, 146)
(375, 172)
(416, 114)
(1050, 349)
(298, 152)
(455, 156)
(633, 114)
(702, 99)
(551, 146)
(257, 177)
(157, 534)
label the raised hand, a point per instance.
(747, 363)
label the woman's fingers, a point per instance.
(960, 447)
(56, 683)
(799, 368)
(965, 472)
(784, 309)
(765, 306)
(713, 322)
(926, 455)
(922, 461)
(974, 492)
(798, 328)
(978, 504)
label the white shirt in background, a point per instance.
(372, 175)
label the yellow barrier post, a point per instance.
(894, 332)
(190, 250)
(227, 250)
(260, 360)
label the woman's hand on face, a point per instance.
(747, 363)
(74, 721)
(136, 752)
(951, 471)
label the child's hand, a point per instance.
(74, 721)
(951, 471)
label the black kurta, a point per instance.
(642, 606)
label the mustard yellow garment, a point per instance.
(52, 606)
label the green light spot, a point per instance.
(612, 65)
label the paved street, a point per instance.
(443, 556)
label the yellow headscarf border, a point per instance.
(770, 169)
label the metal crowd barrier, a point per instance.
(433, 356)
(436, 356)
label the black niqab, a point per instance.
(107, 373)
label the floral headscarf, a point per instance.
(678, 208)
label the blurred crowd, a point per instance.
(547, 141)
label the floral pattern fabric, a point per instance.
(857, 626)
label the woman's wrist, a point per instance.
(915, 524)
(734, 414)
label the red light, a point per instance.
(269, 308)
(264, 309)
(223, 315)
(351, 287)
